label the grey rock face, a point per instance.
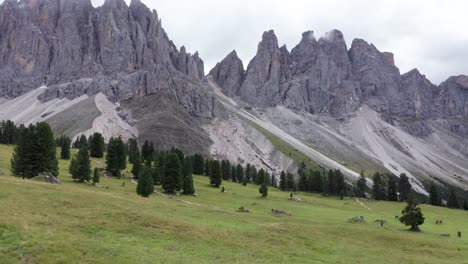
(229, 74)
(323, 76)
(76, 49)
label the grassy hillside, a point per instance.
(80, 223)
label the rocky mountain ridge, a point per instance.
(325, 77)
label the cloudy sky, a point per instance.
(431, 35)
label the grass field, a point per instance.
(80, 223)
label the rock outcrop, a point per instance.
(76, 49)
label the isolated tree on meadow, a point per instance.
(145, 186)
(80, 168)
(412, 215)
(171, 179)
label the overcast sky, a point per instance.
(429, 35)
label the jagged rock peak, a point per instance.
(229, 74)
(333, 36)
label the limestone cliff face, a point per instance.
(324, 76)
(76, 49)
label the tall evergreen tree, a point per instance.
(44, 150)
(253, 173)
(261, 177)
(136, 167)
(116, 157)
(248, 173)
(290, 181)
(225, 167)
(96, 176)
(283, 185)
(215, 174)
(240, 173)
(207, 167)
(188, 178)
(198, 164)
(361, 186)
(145, 186)
(434, 198)
(82, 142)
(303, 183)
(412, 215)
(452, 201)
(318, 182)
(133, 150)
(80, 168)
(96, 145)
(379, 189)
(65, 148)
(233, 173)
(22, 161)
(392, 189)
(171, 179)
(160, 164)
(263, 190)
(180, 155)
(404, 187)
(340, 183)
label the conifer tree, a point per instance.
(240, 173)
(253, 173)
(434, 198)
(283, 184)
(35, 152)
(361, 186)
(303, 183)
(207, 167)
(215, 174)
(404, 187)
(412, 215)
(116, 157)
(133, 150)
(198, 164)
(136, 167)
(290, 181)
(96, 145)
(188, 178)
(248, 173)
(465, 205)
(392, 189)
(379, 189)
(145, 186)
(171, 179)
(318, 182)
(160, 164)
(233, 173)
(65, 148)
(452, 201)
(80, 168)
(263, 190)
(95, 176)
